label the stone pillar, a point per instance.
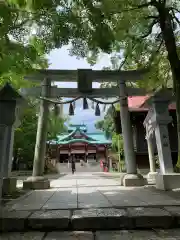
(37, 181)
(163, 147)
(162, 119)
(110, 163)
(152, 165)
(41, 138)
(9, 152)
(166, 179)
(132, 178)
(127, 131)
(87, 161)
(8, 102)
(69, 159)
(9, 183)
(3, 141)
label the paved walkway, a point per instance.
(94, 190)
(93, 202)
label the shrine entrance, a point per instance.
(48, 93)
(156, 121)
(51, 94)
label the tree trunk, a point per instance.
(170, 43)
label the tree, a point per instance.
(142, 30)
(25, 134)
(138, 28)
(107, 125)
(56, 126)
(52, 24)
(117, 144)
(20, 50)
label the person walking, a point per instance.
(73, 166)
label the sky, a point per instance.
(60, 59)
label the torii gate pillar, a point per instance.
(37, 180)
(131, 178)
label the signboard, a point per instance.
(91, 150)
(77, 151)
(64, 152)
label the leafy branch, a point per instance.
(150, 28)
(174, 16)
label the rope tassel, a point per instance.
(71, 110)
(97, 110)
(85, 104)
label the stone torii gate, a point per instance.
(84, 78)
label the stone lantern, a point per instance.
(156, 123)
(10, 100)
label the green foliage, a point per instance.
(107, 124)
(56, 125)
(147, 35)
(25, 134)
(138, 35)
(117, 143)
(141, 32)
(20, 51)
(57, 23)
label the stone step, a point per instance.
(154, 234)
(90, 219)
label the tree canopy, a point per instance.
(107, 125)
(143, 33)
(147, 34)
(51, 24)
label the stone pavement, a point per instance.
(91, 201)
(173, 234)
(94, 190)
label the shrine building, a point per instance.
(138, 112)
(80, 144)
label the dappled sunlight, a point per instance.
(93, 191)
(66, 189)
(86, 190)
(110, 193)
(109, 188)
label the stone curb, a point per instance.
(91, 219)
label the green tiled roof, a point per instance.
(92, 138)
(99, 136)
